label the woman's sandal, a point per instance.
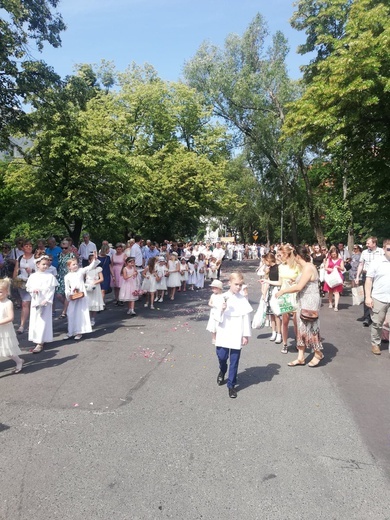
(296, 363)
(315, 361)
(62, 316)
(37, 349)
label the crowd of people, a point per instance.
(78, 279)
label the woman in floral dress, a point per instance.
(308, 298)
(61, 272)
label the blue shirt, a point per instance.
(54, 253)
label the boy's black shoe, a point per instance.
(220, 379)
(232, 393)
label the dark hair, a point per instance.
(192, 259)
(269, 257)
(304, 253)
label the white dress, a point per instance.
(78, 312)
(183, 272)
(94, 292)
(149, 283)
(200, 277)
(161, 271)
(174, 275)
(41, 316)
(9, 345)
(213, 271)
(215, 317)
(192, 276)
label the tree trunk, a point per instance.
(314, 217)
(294, 231)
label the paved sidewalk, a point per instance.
(129, 423)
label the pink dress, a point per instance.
(117, 264)
(338, 288)
(129, 286)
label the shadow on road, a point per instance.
(256, 375)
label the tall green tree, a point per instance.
(247, 84)
(345, 110)
(24, 23)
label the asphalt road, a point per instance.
(129, 423)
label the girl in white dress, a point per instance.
(192, 277)
(149, 285)
(129, 287)
(161, 278)
(79, 321)
(41, 285)
(9, 347)
(174, 274)
(93, 279)
(215, 302)
(201, 271)
(183, 274)
(213, 269)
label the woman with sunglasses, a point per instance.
(62, 270)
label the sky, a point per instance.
(163, 33)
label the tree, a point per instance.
(248, 86)
(345, 109)
(25, 22)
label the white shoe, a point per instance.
(145, 304)
(161, 300)
(129, 312)
(92, 323)
(273, 336)
(152, 306)
(278, 338)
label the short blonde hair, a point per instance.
(6, 284)
(236, 275)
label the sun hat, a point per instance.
(216, 283)
(161, 259)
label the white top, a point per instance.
(218, 253)
(136, 253)
(379, 271)
(235, 322)
(86, 249)
(368, 256)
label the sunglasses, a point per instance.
(387, 248)
(64, 248)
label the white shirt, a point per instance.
(368, 256)
(86, 249)
(379, 271)
(218, 253)
(136, 253)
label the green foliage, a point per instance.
(24, 23)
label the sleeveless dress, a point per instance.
(117, 264)
(338, 288)
(309, 331)
(105, 262)
(129, 287)
(94, 291)
(9, 345)
(174, 276)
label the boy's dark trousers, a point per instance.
(223, 356)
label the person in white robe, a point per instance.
(41, 285)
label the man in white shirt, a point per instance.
(377, 289)
(366, 258)
(218, 254)
(86, 248)
(136, 253)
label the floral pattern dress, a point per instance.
(62, 271)
(309, 331)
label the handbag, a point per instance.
(357, 295)
(76, 295)
(258, 321)
(308, 315)
(333, 279)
